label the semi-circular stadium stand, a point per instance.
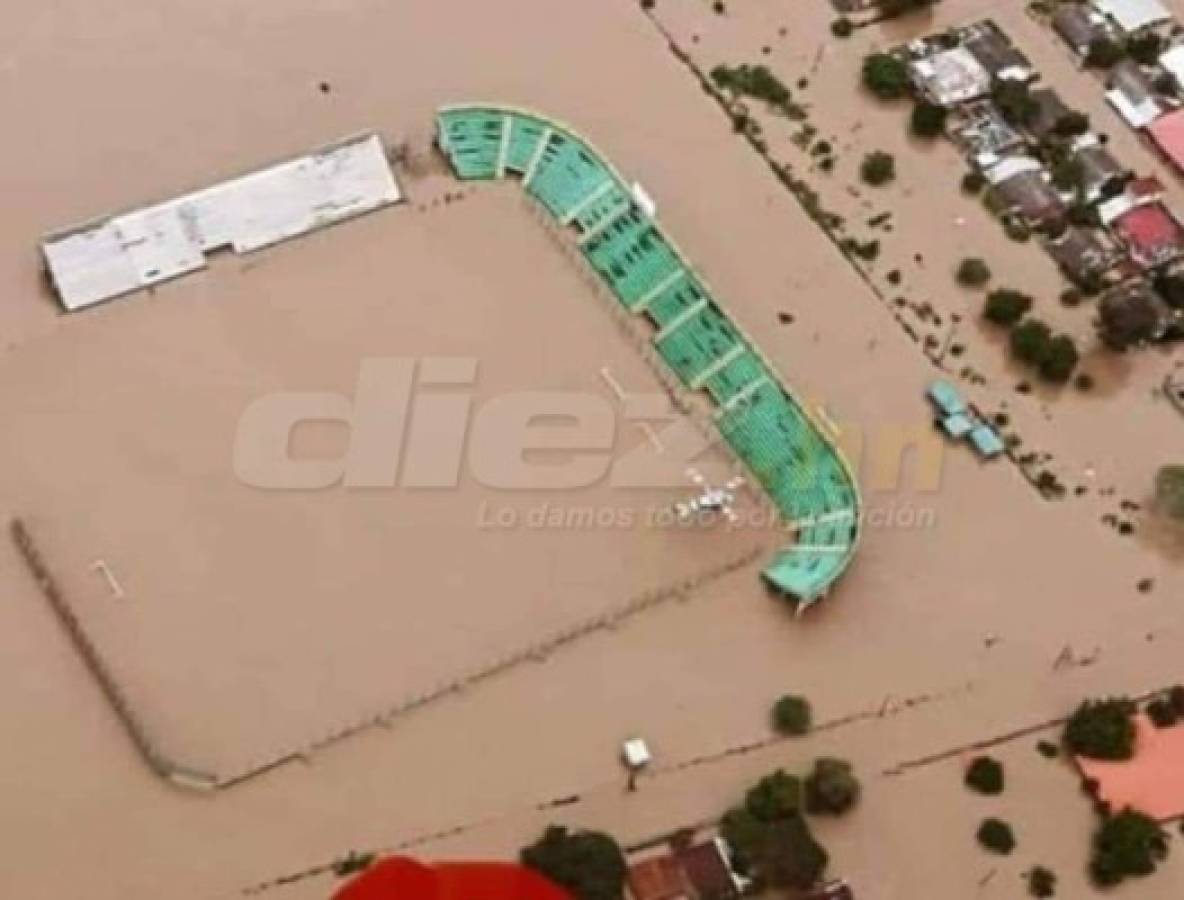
(790, 453)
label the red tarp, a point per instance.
(399, 878)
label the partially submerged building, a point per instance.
(1145, 225)
(1102, 175)
(1079, 25)
(1167, 133)
(1084, 256)
(1133, 17)
(1132, 94)
(993, 50)
(1172, 62)
(701, 871)
(115, 255)
(983, 134)
(950, 77)
(1021, 186)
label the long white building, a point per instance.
(119, 254)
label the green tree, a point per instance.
(745, 834)
(973, 273)
(842, 27)
(791, 857)
(1006, 307)
(1162, 713)
(886, 76)
(1060, 359)
(588, 863)
(973, 182)
(1102, 729)
(878, 168)
(985, 775)
(1145, 49)
(996, 835)
(831, 787)
(1129, 844)
(1014, 100)
(890, 9)
(776, 796)
(1030, 341)
(792, 715)
(928, 119)
(1042, 882)
(1068, 174)
(1071, 124)
(1104, 53)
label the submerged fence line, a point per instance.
(153, 756)
(194, 778)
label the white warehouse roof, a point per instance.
(123, 253)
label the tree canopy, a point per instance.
(928, 119)
(886, 76)
(878, 168)
(831, 787)
(1102, 729)
(996, 835)
(776, 796)
(973, 272)
(985, 775)
(588, 863)
(1129, 844)
(1006, 307)
(792, 715)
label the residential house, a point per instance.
(950, 77)
(1145, 225)
(1102, 175)
(1167, 133)
(1172, 62)
(1079, 25)
(1134, 17)
(982, 133)
(1083, 255)
(1132, 94)
(995, 52)
(1021, 186)
(700, 871)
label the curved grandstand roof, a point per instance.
(786, 447)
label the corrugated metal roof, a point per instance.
(123, 253)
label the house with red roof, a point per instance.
(1167, 132)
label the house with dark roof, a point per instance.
(1102, 175)
(1021, 186)
(1079, 25)
(1083, 255)
(995, 52)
